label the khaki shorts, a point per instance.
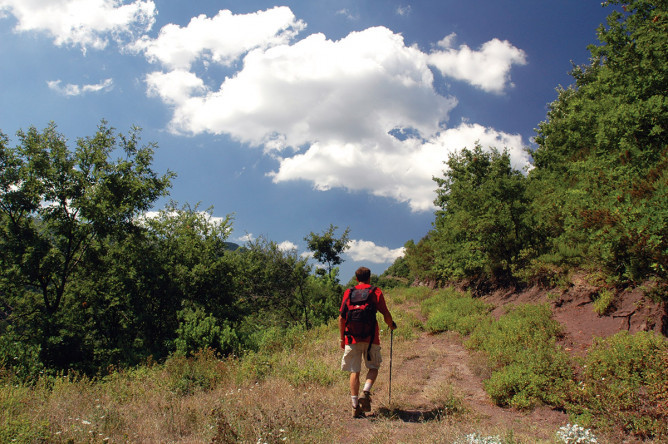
(352, 357)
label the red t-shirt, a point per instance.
(379, 300)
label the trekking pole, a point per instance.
(391, 344)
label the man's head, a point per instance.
(363, 275)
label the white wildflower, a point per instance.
(476, 438)
(575, 434)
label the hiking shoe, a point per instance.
(365, 402)
(357, 412)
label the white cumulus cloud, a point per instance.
(323, 108)
(77, 90)
(220, 39)
(367, 251)
(402, 171)
(84, 23)
(248, 237)
(487, 68)
(287, 246)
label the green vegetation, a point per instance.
(596, 197)
(449, 310)
(89, 279)
(123, 325)
(527, 368)
(292, 388)
(622, 383)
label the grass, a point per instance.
(622, 387)
(295, 392)
(603, 301)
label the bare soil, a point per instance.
(433, 370)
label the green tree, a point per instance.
(327, 248)
(480, 227)
(181, 262)
(599, 185)
(398, 274)
(59, 211)
(272, 285)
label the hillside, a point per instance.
(436, 369)
(293, 391)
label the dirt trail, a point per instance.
(435, 370)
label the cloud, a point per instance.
(175, 87)
(248, 237)
(322, 108)
(348, 14)
(77, 90)
(84, 23)
(403, 10)
(367, 251)
(211, 220)
(287, 246)
(317, 89)
(488, 68)
(403, 172)
(220, 39)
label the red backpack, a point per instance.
(360, 315)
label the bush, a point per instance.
(624, 384)
(535, 376)
(200, 372)
(18, 358)
(198, 330)
(603, 301)
(528, 367)
(451, 311)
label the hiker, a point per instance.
(360, 336)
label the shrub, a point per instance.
(198, 330)
(538, 375)
(603, 301)
(18, 358)
(200, 372)
(528, 367)
(454, 312)
(624, 385)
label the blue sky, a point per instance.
(296, 115)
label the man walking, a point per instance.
(360, 336)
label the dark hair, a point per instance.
(363, 274)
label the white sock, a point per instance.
(367, 386)
(355, 400)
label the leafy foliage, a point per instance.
(60, 210)
(528, 366)
(327, 248)
(597, 195)
(481, 226)
(624, 383)
(479, 229)
(91, 279)
(600, 177)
